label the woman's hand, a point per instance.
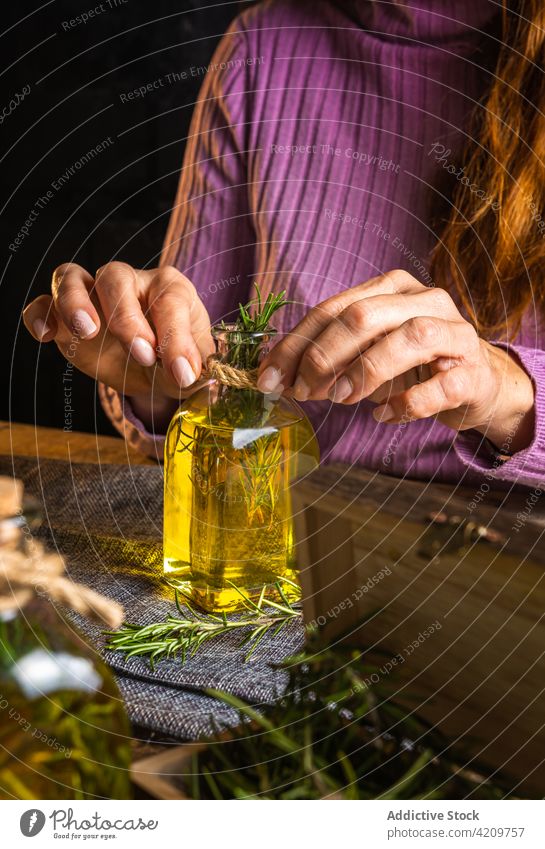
(407, 347)
(120, 324)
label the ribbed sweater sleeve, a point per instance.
(524, 467)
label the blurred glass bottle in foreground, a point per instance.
(64, 733)
(231, 454)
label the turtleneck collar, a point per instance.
(424, 21)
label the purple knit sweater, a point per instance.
(316, 155)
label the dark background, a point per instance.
(114, 207)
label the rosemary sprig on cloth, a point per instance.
(182, 636)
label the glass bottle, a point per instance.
(64, 733)
(230, 457)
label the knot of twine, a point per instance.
(39, 572)
(230, 375)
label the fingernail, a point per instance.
(40, 328)
(269, 380)
(383, 413)
(301, 390)
(83, 324)
(183, 373)
(143, 352)
(340, 390)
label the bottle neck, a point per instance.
(241, 349)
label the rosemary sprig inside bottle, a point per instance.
(261, 460)
(231, 455)
(182, 636)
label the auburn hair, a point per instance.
(492, 247)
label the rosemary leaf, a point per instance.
(182, 636)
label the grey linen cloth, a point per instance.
(106, 521)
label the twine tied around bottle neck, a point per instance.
(229, 375)
(35, 571)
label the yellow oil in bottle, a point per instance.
(63, 730)
(64, 733)
(230, 457)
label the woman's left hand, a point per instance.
(407, 347)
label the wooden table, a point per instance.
(486, 667)
(55, 444)
(448, 584)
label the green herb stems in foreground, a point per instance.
(334, 734)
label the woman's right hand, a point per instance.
(119, 325)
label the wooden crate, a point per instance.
(451, 584)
